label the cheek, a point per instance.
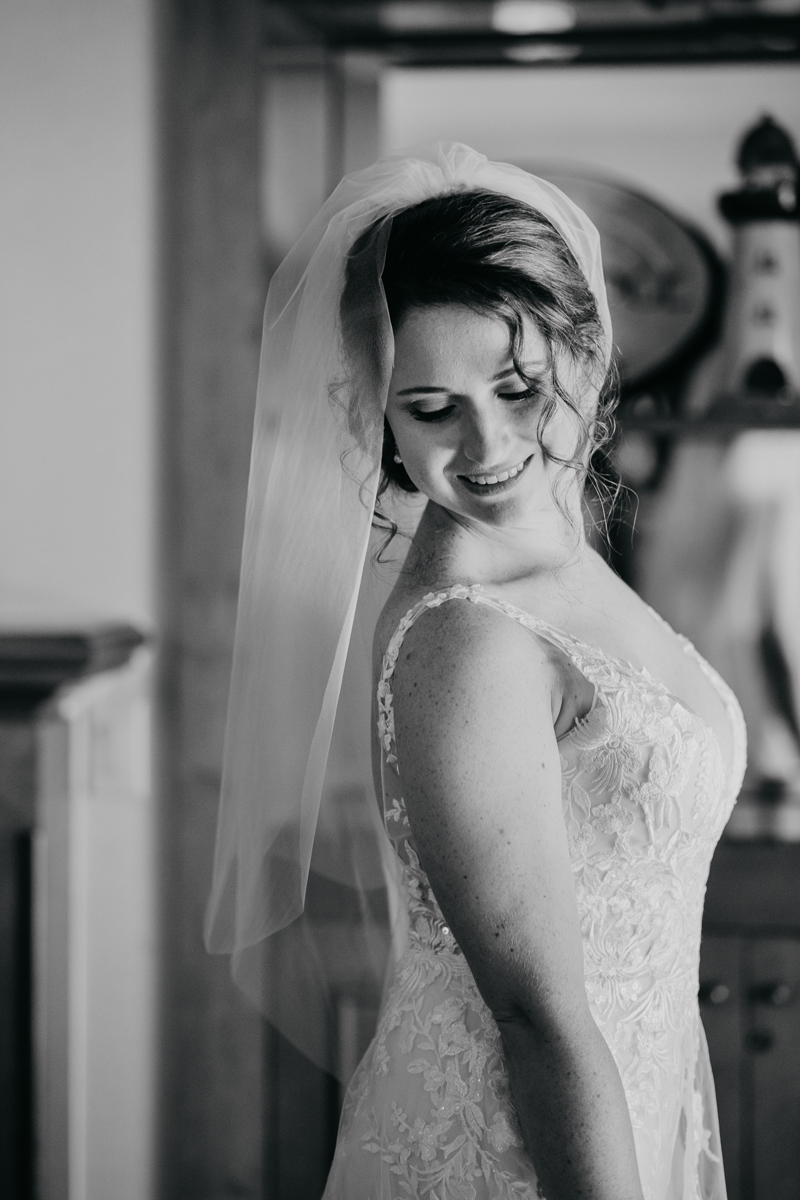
(425, 453)
(418, 442)
(426, 463)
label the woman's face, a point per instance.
(464, 421)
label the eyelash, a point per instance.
(529, 394)
(441, 414)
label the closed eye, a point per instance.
(436, 414)
(528, 394)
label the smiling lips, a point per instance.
(497, 476)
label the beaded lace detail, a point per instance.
(645, 797)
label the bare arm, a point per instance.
(474, 698)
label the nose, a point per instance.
(484, 438)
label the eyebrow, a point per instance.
(431, 391)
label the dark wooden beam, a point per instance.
(211, 1051)
(462, 34)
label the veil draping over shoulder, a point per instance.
(302, 894)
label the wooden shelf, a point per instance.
(39, 655)
(741, 417)
(51, 657)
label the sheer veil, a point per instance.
(303, 887)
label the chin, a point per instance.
(501, 514)
(495, 512)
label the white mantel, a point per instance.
(95, 942)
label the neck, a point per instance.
(449, 544)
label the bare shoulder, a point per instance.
(461, 656)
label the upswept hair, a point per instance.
(500, 258)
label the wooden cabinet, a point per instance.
(772, 1067)
(750, 1003)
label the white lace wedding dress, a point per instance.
(646, 794)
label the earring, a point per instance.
(397, 458)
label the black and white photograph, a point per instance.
(400, 600)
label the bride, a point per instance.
(554, 764)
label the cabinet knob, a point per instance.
(714, 992)
(759, 1041)
(775, 994)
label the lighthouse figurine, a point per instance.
(760, 376)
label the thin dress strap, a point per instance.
(458, 591)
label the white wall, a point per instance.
(673, 131)
(77, 303)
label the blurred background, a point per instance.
(158, 160)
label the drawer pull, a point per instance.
(759, 1041)
(714, 992)
(776, 995)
